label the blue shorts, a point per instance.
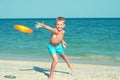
(55, 49)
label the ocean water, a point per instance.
(92, 39)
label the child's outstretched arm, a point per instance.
(42, 25)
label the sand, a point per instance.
(31, 70)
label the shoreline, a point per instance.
(47, 58)
(74, 61)
(33, 70)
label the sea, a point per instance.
(89, 40)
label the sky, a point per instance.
(55, 8)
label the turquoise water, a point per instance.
(93, 39)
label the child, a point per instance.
(56, 43)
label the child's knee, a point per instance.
(55, 61)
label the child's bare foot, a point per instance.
(71, 68)
(49, 78)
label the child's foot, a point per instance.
(71, 68)
(49, 78)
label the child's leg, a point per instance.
(53, 65)
(67, 61)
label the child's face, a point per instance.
(60, 25)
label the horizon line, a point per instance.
(64, 17)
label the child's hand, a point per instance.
(64, 44)
(39, 25)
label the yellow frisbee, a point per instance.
(24, 29)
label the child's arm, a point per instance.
(64, 43)
(42, 25)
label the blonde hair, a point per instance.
(60, 19)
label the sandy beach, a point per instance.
(31, 70)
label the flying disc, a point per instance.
(24, 29)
